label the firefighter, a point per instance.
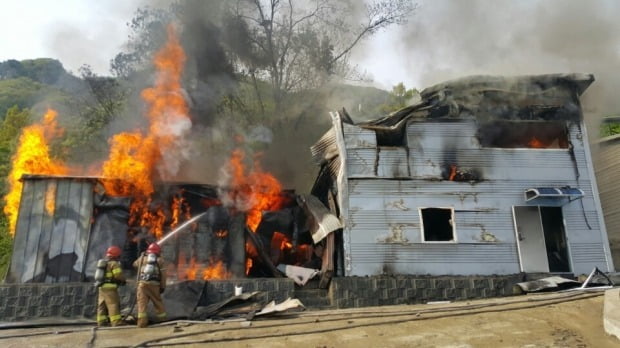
(108, 277)
(151, 283)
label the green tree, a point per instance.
(399, 98)
(102, 101)
(292, 45)
(298, 45)
(6, 246)
(10, 129)
(609, 128)
(43, 70)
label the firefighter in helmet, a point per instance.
(151, 283)
(108, 277)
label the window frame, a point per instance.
(452, 223)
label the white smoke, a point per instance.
(450, 39)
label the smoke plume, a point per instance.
(450, 39)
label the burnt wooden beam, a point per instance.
(262, 254)
(236, 240)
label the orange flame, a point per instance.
(32, 157)
(281, 247)
(191, 271)
(179, 208)
(221, 233)
(535, 143)
(248, 265)
(50, 198)
(217, 270)
(250, 253)
(257, 191)
(135, 158)
(452, 172)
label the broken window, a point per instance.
(391, 137)
(534, 135)
(437, 224)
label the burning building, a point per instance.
(66, 223)
(63, 222)
(484, 175)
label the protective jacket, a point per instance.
(108, 301)
(151, 283)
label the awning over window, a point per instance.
(571, 193)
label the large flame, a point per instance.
(135, 159)
(254, 192)
(216, 270)
(32, 157)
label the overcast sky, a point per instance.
(444, 38)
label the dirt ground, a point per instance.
(537, 320)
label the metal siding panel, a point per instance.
(22, 234)
(361, 163)
(60, 218)
(498, 164)
(85, 215)
(439, 259)
(393, 162)
(46, 233)
(37, 211)
(483, 210)
(72, 233)
(443, 135)
(434, 145)
(357, 137)
(586, 256)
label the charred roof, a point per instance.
(552, 97)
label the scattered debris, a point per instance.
(547, 284)
(234, 305)
(596, 280)
(300, 275)
(289, 304)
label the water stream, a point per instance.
(180, 228)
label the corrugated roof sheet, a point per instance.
(324, 221)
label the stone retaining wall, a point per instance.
(22, 302)
(348, 292)
(278, 289)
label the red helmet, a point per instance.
(153, 249)
(113, 251)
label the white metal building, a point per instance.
(485, 175)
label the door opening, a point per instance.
(555, 239)
(541, 239)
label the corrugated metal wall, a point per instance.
(607, 164)
(384, 223)
(53, 226)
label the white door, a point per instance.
(530, 239)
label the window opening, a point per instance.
(437, 224)
(532, 135)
